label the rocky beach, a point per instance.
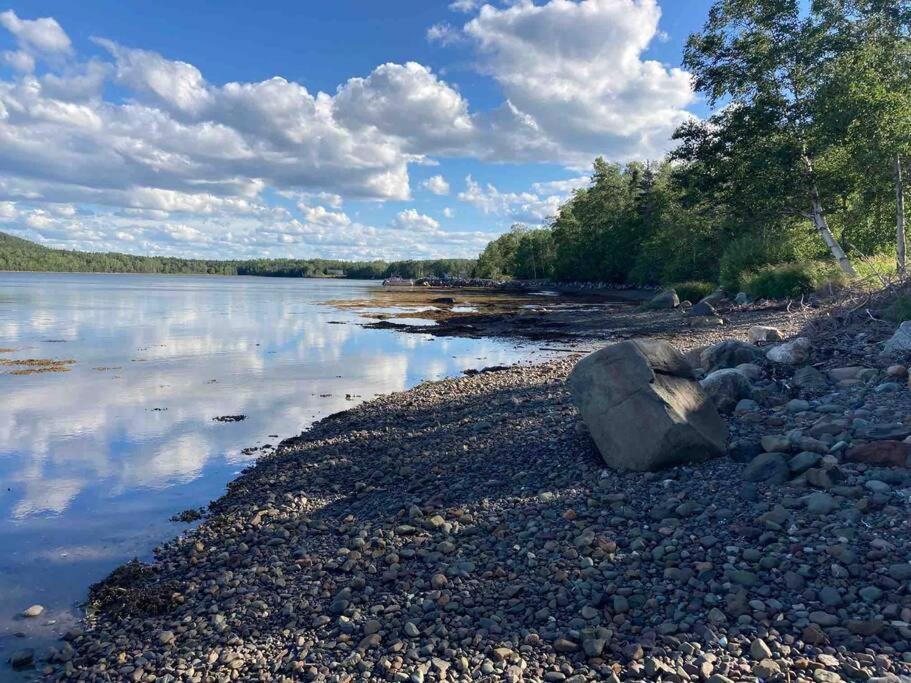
(468, 529)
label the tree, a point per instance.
(765, 60)
(868, 98)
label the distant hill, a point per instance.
(18, 254)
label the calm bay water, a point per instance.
(94, 461)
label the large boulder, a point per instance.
(900, 342)
(726, 387)
(703, 308)
(730, 354)
(643, 407)
(664, 300)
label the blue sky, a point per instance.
(346, 129)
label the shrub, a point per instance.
(693, 290)
(749, 253)
(786, 280)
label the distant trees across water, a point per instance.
(22, 255)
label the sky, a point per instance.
(352, 129)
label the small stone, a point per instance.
(22, 659)
(870, 593)
(593, 646)
(877, 486)
(897, 371)
(411, 630)
(820, 503)
(771, 468)
(767, 668)
(801, 462)
(564, 645)
(166, 637)
(794, 352)
(797, 405)
(775, 443)
(33, 611)
(761, 333)
(759, 649)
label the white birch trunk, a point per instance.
(822, 226)
(899, 216)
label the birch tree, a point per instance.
(764, 62)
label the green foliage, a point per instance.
(899, 309)
(20, 254)
(520, 253)
(693, 290)
(791, 280)
(751, 252)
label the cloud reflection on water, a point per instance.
(94, 461)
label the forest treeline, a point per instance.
(20, 254)
(801, 164)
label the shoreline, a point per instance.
(467, 528)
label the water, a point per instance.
(94, 461)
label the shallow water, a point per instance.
(94, 460)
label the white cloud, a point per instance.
(20, 60)
(173, 84)
(410, 219)
(41, 35)
(8, 211)
(448, 212)
(527, 207)
(410, 103)
(38, 219)
(465, 5)
(319, 215)
(574, 68)
(437, 185)
(561, 186)
(444, 33)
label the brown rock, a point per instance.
(882, 453)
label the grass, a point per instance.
(792, 280)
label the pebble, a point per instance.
(33, 611)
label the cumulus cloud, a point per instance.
(37, 35)
(19, 60)
(572, 71)
(410, 219)
(319, 215)
(409, 102)
(172, 84)
(437, 185)
(534, 207)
